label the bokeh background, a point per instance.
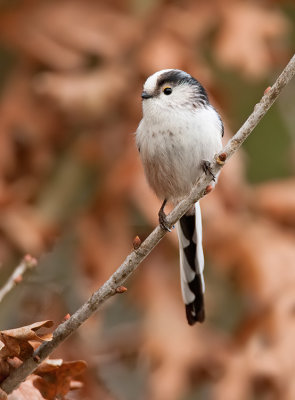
(73, 193)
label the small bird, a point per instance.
(179, 133)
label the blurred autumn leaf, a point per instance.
(56, 378)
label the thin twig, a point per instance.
(132, 261)
(16, 277)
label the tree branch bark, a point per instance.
(16, 277)
(132, 261)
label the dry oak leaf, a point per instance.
(28, 332)
(55, 377)
(15, 342)
(18, 344)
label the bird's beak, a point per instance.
(145, 95)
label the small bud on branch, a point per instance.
(136, 242)
(121, 289)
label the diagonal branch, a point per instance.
(132, 261)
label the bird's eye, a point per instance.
(167, 90)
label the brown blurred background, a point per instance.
(73, 194)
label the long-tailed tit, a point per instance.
(179, 132)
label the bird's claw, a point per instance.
(206, 165)
(163, 221)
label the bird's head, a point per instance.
(172, 89)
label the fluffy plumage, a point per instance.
(180, 130)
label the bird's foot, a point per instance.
(163, 221)
(206, 165)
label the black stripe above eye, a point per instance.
(173, 76)
(177, 77)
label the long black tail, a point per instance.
(189, 229)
